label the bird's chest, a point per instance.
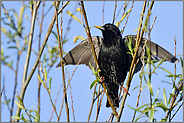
(112, 62)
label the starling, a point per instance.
(113, 59)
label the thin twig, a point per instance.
(138, 97)
(24, 86)
(123, 6)
(103, 12)
(96, 61)
(28, 55)
(99, 105)
(114, 12)
(82, 19)
(132, 68)
(69, 23)
(176, 92)
(142, 69)
(98, 96)
(72, 103)
(56, 4)
(128, 82)
(70, 80)
(92, 103)
(149, 64)
(176, 111)
(39, 43)
(124, 14)
(48, 10)
(30, 44)
(110, 117)
(60, 40)
(127, 18)
(2, 91)
(43, 74)
(15, 86)
(55, 103)
(5, 97)
(61, 56)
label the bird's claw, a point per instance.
(126, 91)
(102, 78)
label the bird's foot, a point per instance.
(102, 78)
(126, 91)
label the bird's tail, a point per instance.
(112, 91)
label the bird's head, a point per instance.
(109, 30)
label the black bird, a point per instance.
(114, 61)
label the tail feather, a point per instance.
(112, 91)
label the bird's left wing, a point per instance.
(83, 53)
(157, 52)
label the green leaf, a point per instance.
(27, 17)
(4, 30)
(45, 72)
(10, 63)
(173, 75)
(169, 101)
(15, 13)
(181, 62)
(37, 117)
(55, 34)
(78, 37)
(20, 101)
(78, 9)
(161, 105)
(92, 68)
(163, 120)
(157, 92)
(166, 70)
(150, 87)
(18, 118)
(135, 109)
(151, 114)
(41, 81)
(137, 87)
(73, 16)
(93, 83)
(117, 23)
(143, 106)
(167, 82)
(31, 4)
(23, 118)
(7, 102)
(165, 97)
(19, 105)
(138, 117)
(123, 17)
(18, 45)
(12, 47)
(50, 84)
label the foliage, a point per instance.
(16, 41)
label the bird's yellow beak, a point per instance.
(100, 27)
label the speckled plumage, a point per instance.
(113, 61)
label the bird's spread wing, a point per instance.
(157, 52)
(83, 53)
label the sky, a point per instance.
(169, 23)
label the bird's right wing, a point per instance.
(83, 53)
